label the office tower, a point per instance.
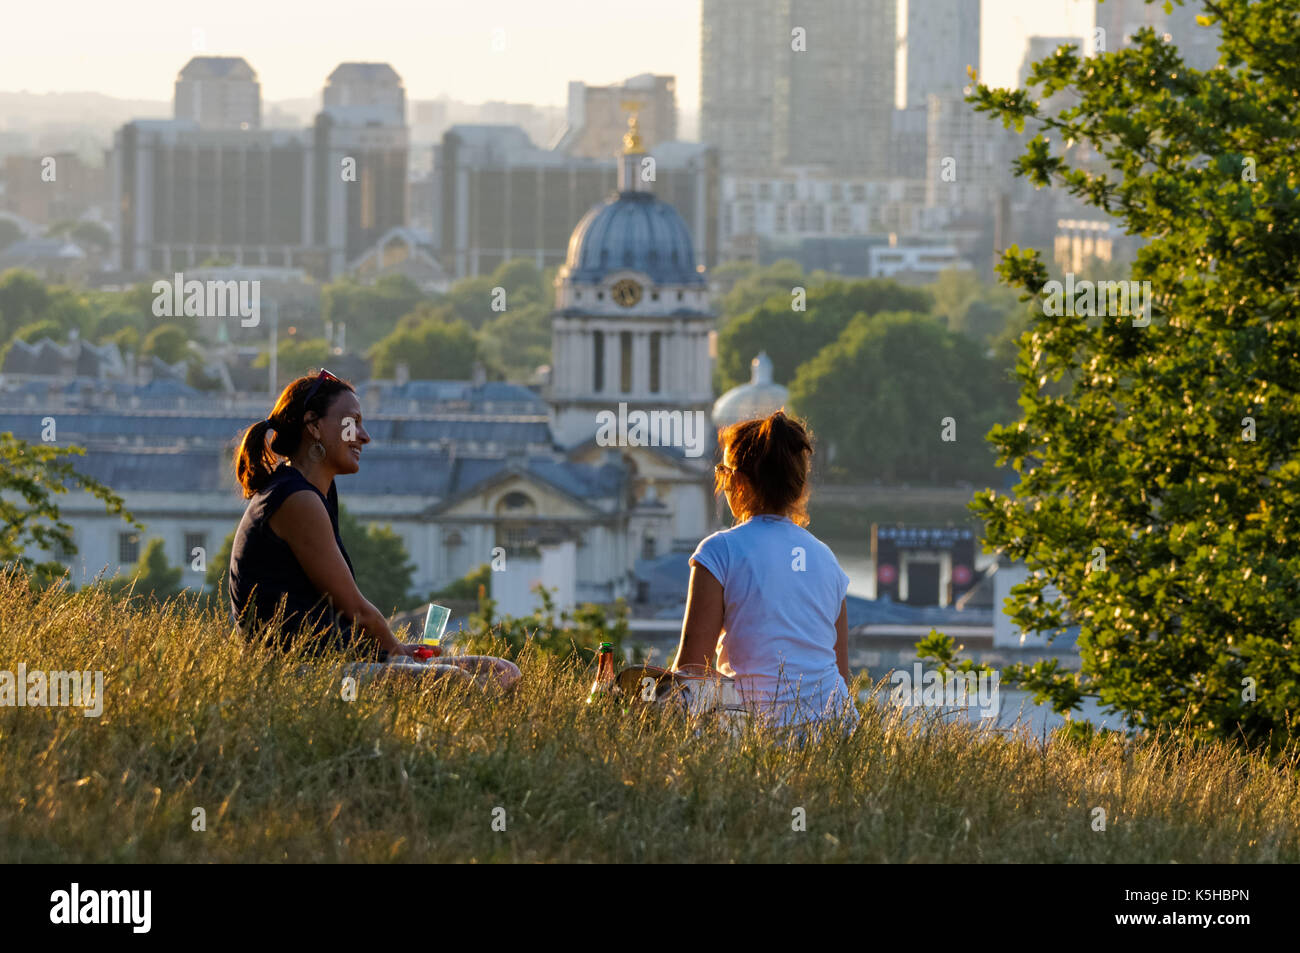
(937, 41)
(968, 156)
(597, 116)
(1198, 45)
(501, 196)
(366, 89)
(798, 82)
(183, 195)
(355, 208)
(219, 92)
(314, 199)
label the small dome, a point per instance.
(758, 398)
(633, 231)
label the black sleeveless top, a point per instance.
(264, 572)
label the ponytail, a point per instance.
(772, 454)
(254, 460)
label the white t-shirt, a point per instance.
(782, 590)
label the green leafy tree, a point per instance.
(517, 341)
(216, 579)
(113, 321)
(471, 299)
(45, 328)
(298, 355)
(762, 284)
(521, 279)
(92, 235)
(31, 475)
(167, 342)
(432, 348)
(466, 587)
(369, 311)
(1159, 486)
(792, 337)
(152, 579)
(576, 634)
(383, 567)
(9, 233)
(878, 395)
(23, 299)
(126, 339)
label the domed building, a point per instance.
(632, 318)
(760, 397)
(630, 332)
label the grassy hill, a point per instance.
(285, 769)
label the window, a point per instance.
(194, 541)
(625, 361)
(128, 548)
(654, 361)
(516, 504)
(598, 360)
(647, 547)
(514, 539)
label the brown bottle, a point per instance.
(606, 682)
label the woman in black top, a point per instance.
(288, 557)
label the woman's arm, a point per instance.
(842, 641)
(703, 622)
(303, 522)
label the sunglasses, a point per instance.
(320, 379)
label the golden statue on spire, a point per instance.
(632, 144)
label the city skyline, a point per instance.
(442, 50)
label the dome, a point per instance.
(758, 398)
(633, 231)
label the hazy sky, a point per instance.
(134, 48)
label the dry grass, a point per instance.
(288, 771)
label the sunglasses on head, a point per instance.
(321, 378)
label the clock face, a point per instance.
(626, 292)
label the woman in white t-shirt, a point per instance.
(767, 595)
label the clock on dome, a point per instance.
(626, 292)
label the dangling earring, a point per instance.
(317, 452)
